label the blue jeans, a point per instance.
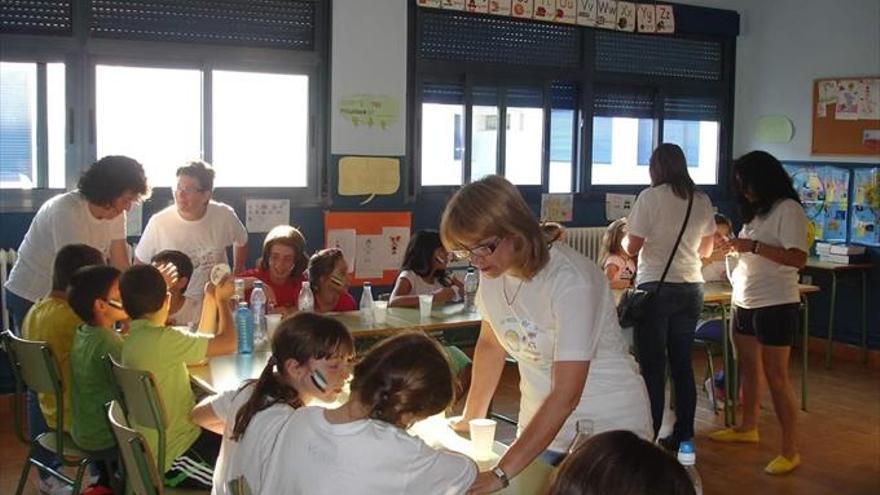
(667, 330)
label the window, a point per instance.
(260, 129)
(442, 134)
(524, 136)
(692, 122)
(563, 136)
(623, 135)
(32, 125)
(151, 115)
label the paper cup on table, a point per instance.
(380, 312)
(482, 437)
(425, 302)
(272, 322)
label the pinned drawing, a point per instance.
(264, 214)
(361, 175)
(557, 207)
(379, 111)
(345, 240)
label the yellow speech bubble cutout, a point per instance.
(359, 175)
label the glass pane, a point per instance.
(151, 115)
(699, 141)
(523, 142)
(622, 147)
(18, 125)
(561, 150)
(442, 138)
(484, 141)
(57, 123)
(261, 131)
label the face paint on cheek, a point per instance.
(318, 380)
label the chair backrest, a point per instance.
(142, 404)
(141, 474)
(34, 367)
(238, 486)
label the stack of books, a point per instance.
(844, 254)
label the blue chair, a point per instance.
(710, 334)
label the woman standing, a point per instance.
(771, 248)
(93, 214)
(670, 320)
(552, 310)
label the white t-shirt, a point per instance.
(757, 281)
(567, 313)
(715, 271)
(419, 286)
(657, 216)
(204, 240)
(315, 457)
(250, 456)
(64, 219)
(189, 313)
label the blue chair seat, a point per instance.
(710, 331)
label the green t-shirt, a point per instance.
(91, 387)
(165, 352)
(53, 320)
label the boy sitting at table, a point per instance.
(182, 310)
(190, 451)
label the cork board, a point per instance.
(846, 116)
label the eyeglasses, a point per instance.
(481, 251)
(187, 190)
(113, 303)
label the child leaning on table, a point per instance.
(363, 446)
(619, 267)
(190, 451)
(309, 362)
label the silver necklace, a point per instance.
(507, 299)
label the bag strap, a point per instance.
(687, 216)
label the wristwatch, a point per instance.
(501, 475)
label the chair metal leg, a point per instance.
(710, 367)
(864, 316)
(805, 355)
(80, 470)
(831, 310)
(25, 471)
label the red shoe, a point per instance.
(97, 490)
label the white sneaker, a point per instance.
(53, 486)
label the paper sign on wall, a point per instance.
(586, 12)
(453, 4)
(626, 16)
(618, 205)
(359, 175)
(557, 207)
(134, 219)
(429, 3)
(379, 111)
(369, 262)
(827, 96)
(499, 7)
(566, 11)
(665, 19)
(645, 16)
(606, 14)
(394, 242)
(522, 8)
(544, 10)
(344, 239)
(264, 214)
(478, 6)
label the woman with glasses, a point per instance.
(551, 309)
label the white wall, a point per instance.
(783, 46)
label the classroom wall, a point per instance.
(783, 46)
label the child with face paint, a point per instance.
(328, 278)
(424, 272)
(309, 363)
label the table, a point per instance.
(444, 317)
(834, 269)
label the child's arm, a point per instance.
(225, 339)
(205, 416)
(402, 295)
(208, 318)
(611, 271)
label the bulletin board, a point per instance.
(846, 116)
(380, 239)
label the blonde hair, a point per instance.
(489, 207)
(612, 238)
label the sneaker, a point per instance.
(782, 464)
(53, 486)
(669, 443)
(731, 435)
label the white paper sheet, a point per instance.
(264, 214)
(557, 207)
(344, 239)
(369, 260)
(618, 205)
(394, 241)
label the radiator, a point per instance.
(586, 240)
(7, 259)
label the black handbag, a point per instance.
(634, 303)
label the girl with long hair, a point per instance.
(309, 363)
(281, 267)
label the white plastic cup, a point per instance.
(272, 322)
(482, 437)
(380, 312)
(425, 302)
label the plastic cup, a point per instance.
(482, 437)
(425, 302)
(272, 322)
(380, 312)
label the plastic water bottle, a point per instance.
(244, 328)
(258, 307)
(471, 281)
(238, 295)
(687, 456)
(366, 305)
(306, 300)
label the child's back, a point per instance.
(315, 456)
(90, 385)
(165, 352)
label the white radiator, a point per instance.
(586, 240)
(7, 259)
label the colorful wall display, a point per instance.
(865, 210)
(824, 193)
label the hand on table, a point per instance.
(486, 483)
(459, 425)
